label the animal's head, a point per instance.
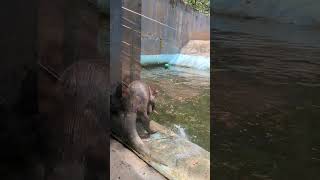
(153, 93)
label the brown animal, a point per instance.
(139, 102)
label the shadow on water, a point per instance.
(266, 84)
(183, 102)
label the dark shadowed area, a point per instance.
(266, 84)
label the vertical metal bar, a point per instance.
(132, 58)
(138, 43)
(115, 45)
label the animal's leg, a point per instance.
(146, 122)
(131, 128)
(143, 135)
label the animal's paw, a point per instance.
(145, 151)
(152, 130)
(141, 148)
(145, 135)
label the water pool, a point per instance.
(183, 102)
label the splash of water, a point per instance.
(181, 131)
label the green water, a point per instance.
(183, 103)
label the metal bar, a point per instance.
(136, 62)
(115, 43)
(132, 69)
(126, 43)
(131, 29)
(49, 71)
(135, 47)
(141, 34)
(124, 53)
(148, 18)
(129, 21)
(130, 45)
(144, 34)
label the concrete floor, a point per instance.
(124, 164)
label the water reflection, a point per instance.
(266, 84)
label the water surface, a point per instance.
(183, 102)
(266, 84)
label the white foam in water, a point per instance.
(181, 131)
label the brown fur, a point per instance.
(78, 137)
(139, 101)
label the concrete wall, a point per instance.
(189, 25)
(300, 12)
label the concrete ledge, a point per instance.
(124, 164)
(171, 155)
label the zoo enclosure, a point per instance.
(152, 27)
